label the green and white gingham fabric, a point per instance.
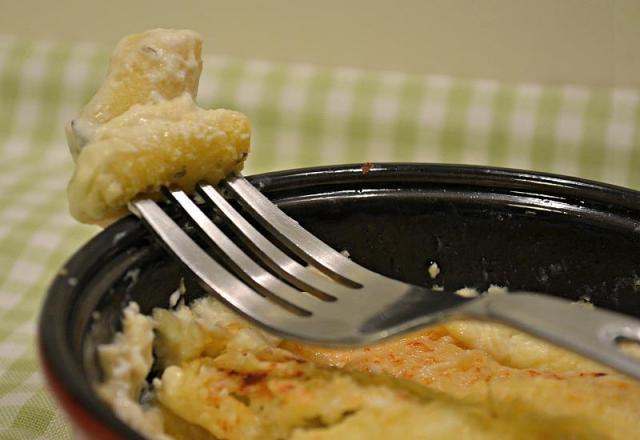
(301, 115)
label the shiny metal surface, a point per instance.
(351, 305)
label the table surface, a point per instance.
(301, 115)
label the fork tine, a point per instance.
(295, 237)
(305, 278)
(248, 270)
(231, 290)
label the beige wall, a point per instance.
(579, 41)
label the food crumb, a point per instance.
(434, 270)
(178, 294)
(366, 167)
(174, 298)
(585, 301)
(467, 292)
(132, 276)
(437, 288)
(497, 290)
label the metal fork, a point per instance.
(334, 301)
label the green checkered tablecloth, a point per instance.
(301, 115)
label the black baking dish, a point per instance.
(483, 226)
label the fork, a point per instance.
(331, 300)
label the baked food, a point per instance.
(143, 129)
(222, 378)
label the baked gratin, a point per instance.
(222, 378)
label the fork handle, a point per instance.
(594, 333)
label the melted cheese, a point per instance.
(143, 130)
(172, 142)
(147, 67)
(465, 379)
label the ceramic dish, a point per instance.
(483, 226)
